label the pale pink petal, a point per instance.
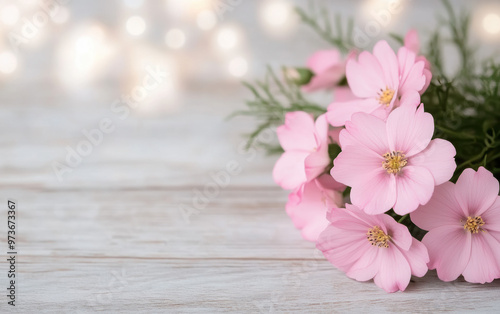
(342, 247)
(483, 266)
(343, 94)
(428, 80)
(377, 194)
(415, 80)
(298, 132)
(389, 63)
(289, 172)
(334, 134)
(399, 232)
(442, 209)
(309, 212)
(414, 186)
(341, 112)
(395, 272)
(412, 42)
(321, 130)
(354, 163)
(327, 183)
(367, 131)
(316, 163)
(409, 131)
(323, 60)
(367, 266)
(449, 251)
(476, 191)
(410, 98)
(365, 77)
(325, 80)
(491, 217)
(417, 257)
(438, 158)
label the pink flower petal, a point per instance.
(410, 98)
(341, 112)
(412, 42)
(395, 272)
(438, 158)
(449, 251)
(476, 191)
(483, 266)
(343, 94)
(399, 233)
(368, 131)
(417, 257)
(411, 71)
(367, 266)
(409, 131)
(376, 194)
(316, 163)
(289, 170)
(389, 63)
(298, 132)
(365, 77)
(354, 163)
(415, 186)
(442, 209)
(323, 60)
(491, 217)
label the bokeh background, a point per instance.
(64, 63)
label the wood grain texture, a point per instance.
(132, 251)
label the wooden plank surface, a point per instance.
(130, 250)
(120, 233)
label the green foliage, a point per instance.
(465, 106)
(272, 99)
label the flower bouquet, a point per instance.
(399, 174)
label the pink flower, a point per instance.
(305, 143)
(381, 81)
(328, 68)
(366, 247)
(307, 205)
(413, 43)
(463, 220)
(392, 164)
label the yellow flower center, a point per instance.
(394, 162)
(377, 237)
(385, 96)
(473, 225)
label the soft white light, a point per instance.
(62, 15)
(277, 13)
(206, 20)
(491, 23)
(133, 4)
(136, 25)
(227, 38)
(175, 38)
(9, 14)
(238, 67)
(8, 62)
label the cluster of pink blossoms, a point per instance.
(390, 161)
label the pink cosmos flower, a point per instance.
(463, 220)
(392, 164)
(305, 143)
(307, 205)
(328, 68)
(413, 43)
(381, 81)
(366, 247)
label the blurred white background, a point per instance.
(66, 65)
